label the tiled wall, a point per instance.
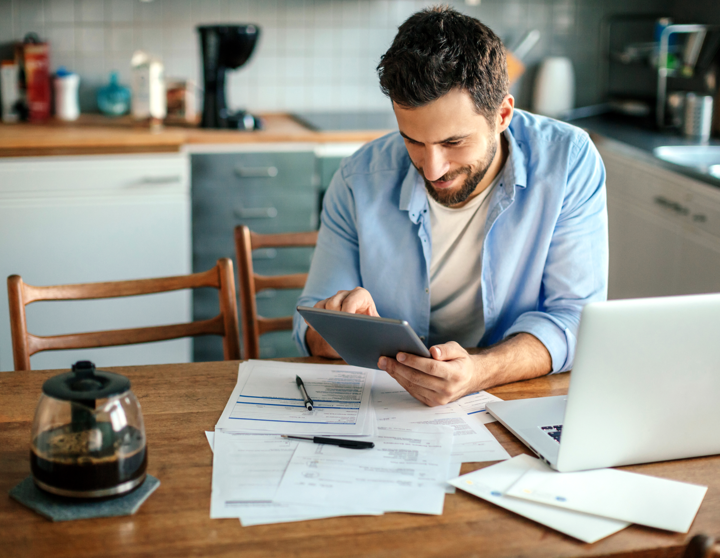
(313, 54)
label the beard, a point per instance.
(457, 195)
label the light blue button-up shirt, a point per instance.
(545, 253)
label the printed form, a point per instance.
(247, 469)
(395, 406)
(266, 399)
(405, 472)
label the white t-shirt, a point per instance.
(456, 307)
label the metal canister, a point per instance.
(698, 116)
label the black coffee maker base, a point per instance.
(243, 120)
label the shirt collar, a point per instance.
(412, 191)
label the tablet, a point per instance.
(361, 340)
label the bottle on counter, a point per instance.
(67, 106)
(9, 90)
(149, 101)
(113, 99)
(35, 58)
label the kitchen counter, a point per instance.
(95, 134)
(641, 139)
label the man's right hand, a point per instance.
(357, 301)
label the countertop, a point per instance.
(639, 138)
(96, 134)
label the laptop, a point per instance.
(645, 387)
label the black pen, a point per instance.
(351, 444)
(308, 402)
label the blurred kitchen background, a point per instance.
(86, 197)
(312, 54)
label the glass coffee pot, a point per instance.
(88, 437)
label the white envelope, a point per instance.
(491, 483)
(651, 501)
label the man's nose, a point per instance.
(435, 164)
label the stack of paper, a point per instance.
(260, 477)
(266, 399)
(588, 505)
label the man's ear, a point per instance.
(505, 113)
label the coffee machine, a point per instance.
(225, 47)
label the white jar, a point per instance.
(554, 92)
(66, 95)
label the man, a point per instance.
(483, 226)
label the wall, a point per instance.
(313, 54)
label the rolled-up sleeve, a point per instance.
(576, 269)
(335, 263)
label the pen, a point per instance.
(351, 444)
(306, 397)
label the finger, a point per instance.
(413, 376)
(426, 396)
(426, 365)
(359, 301)
(447, 351)
(335, 302)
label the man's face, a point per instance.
(451, 145)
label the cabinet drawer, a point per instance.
(262, 212)
(263, 170)
(273, 261)
(105, 175)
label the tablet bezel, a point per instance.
(361, 340)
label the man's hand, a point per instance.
(445, 377)
(357, 301)
(453, 372)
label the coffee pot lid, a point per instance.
(85, 383)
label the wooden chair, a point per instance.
(225, 324)
(250, 283)
(702, 546)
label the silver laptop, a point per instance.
(645, 387)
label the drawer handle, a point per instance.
(256, 213)
(256, 172)
(159, 180)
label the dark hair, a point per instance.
(439, 49)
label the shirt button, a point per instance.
(422, 338)
(427, 290)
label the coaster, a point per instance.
(60, 508)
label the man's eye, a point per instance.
(452, 143)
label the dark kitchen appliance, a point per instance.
(88, 436)
(225, 47)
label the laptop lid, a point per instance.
(645, 383)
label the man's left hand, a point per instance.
(445, 377)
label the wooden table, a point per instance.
(180, 402)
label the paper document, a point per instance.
(247, 469)
(395, 406)
(405, 472)
(492, 482)
(266, 399)
(473, 405)
(651, 501)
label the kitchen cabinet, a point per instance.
(271, 190)
(664, 229)
(97, 218)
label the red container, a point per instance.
(36, 59)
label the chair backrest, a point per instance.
(250, 283)
(225, 324)
(702, 546)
